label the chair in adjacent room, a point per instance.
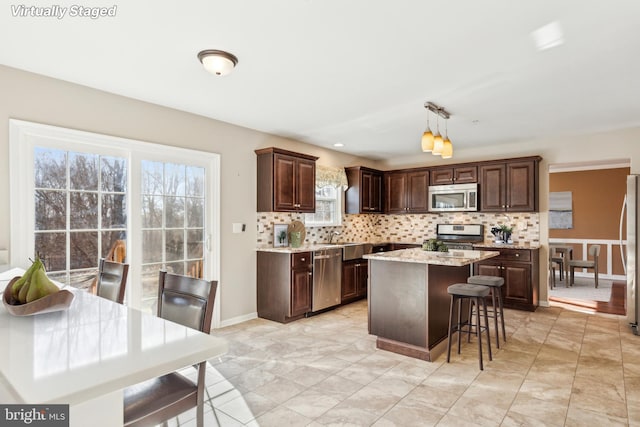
(112, 280)
(188, 301)
(594, 253)
(557, 256)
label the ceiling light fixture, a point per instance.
(439, 146)
(427, 137)
(217, 62)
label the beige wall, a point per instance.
(40, 99)
(35, 98)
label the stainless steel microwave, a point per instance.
(453, 198)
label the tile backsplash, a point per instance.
(406, 228)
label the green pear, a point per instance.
(41, 286)
(18, 284)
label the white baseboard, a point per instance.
(238, 319)
(543, 304)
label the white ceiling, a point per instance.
(355, 71)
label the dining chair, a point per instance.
(557, 256)
(594, 252)
(189, 302)
(112, 280)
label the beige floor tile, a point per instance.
(548, 411)
(431, 398)
(598, 404)
(557, 368)
(556, 392)
(478, 412)
(339, 387)
(588, 386)
(280, 417)
(280, 390)
(311, 403)
(577, 417)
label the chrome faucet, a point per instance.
(333, 233)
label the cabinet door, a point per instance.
(487, 269)
(300, 292)
(418, 191)
(492, 188)
(306, 185)
(441, 176)
(349, 285)
(366, 183)
(284, 183)
(517, 283)
(520, 188)
(362, 276)
(395, 185)
(465, 175)
(376, 193)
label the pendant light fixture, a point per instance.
(441, 146)
(447, 147)
(218, 62)
(427, 136)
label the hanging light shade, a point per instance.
(437, 144)
(217, 62)
(427, 137)
(447, 149)
(437, 141)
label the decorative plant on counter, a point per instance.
(506, 232)
(434, 246)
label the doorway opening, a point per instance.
(586, 223)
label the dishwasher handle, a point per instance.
(321, 257)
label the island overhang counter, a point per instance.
(408, 299)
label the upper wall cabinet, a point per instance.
(364, 194)
(406, 191)
(286, 181)
(509, 186)
(454, 175)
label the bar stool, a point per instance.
(495, 285)
(476, 295)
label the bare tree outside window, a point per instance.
(80, 211)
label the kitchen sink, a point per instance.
(351, 250)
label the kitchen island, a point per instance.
(408, 299)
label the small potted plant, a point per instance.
(506, 233)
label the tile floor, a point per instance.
(558, 368)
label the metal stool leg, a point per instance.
(495, 315)
(486, 326)
(459, 321)
(504, 332)
(479, 334)
(453, 298)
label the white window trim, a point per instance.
(24, 136)
(337, 218)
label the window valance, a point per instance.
(330, 176)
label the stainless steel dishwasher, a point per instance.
(327, 278)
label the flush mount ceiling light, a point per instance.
(437, 144)
(217, 62)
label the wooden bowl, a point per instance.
(59, 301)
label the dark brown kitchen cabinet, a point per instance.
(354, 280)
(454, 175)
(510, 186)
(407, 191)
(284, 283)
(286, 181)
(364, 194)
(519, 268)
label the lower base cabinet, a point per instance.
(284, 285)
(520, 270)
(354, 280)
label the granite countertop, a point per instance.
(321, 246)
(515, 245)
(456, 258)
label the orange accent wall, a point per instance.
(597, 197)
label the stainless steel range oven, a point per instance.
(460, 236)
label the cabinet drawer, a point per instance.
(301, 260)
(515, 255)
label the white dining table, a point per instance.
(87, 354)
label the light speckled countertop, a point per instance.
(456, 258)
(303, 248)
(320, 246)
(515, 245)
